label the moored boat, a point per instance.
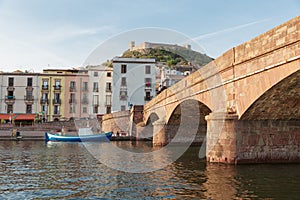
(78, 138)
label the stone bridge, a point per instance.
(245, 104)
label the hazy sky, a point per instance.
(37, 34)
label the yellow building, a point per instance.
(59, 99)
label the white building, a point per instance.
(133, 82)
(19, 92)
(100, 85)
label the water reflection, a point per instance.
(35, 170)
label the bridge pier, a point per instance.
(221, 137)
(159, 133)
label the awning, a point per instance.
(6, 116)
(18, 117)
(25, 117)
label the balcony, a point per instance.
(45, 87)
(29, 88)
(72, 89)
(28, 99)
(10, 88)
(56, 101)
(72, 101)
(148, 98)
(108, 90)
(57, 87)
(148, 86)
(95, 104)
(44, 101)
(95, 90)
(10, 100)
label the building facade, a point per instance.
(100, 86)
(19, 92)
(64, 94)
(133, 82)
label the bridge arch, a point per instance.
(187, 115)
(282, 101)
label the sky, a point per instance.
(39, 34)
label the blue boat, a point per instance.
(78, 138)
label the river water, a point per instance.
(35, 170)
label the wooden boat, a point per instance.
(78, 138)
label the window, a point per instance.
(72, 108)
(85, 99)
(148, 82)
(147, 69)
(10, 81)
(56, 98)
(28, 108)
(84, 109)
(108, 87)
(123, 95)
(108, 74)
(44, 96)
(29, 93)
(45, 84)
(72, 98)
(108, 100)
(123, 69)
(57, 82)
(96, 100)
(95, 87)
(123, 108)
(123, 81)
(85, 86)
(95, 74)
(44, 109)
(29, 82)
(56, 110)
(108, 109)
(148, 96)
(95, 109)
(10, 108)
(72, 85)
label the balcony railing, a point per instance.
(10, 88)
(148, 98)
(28, 98)
(44, 101)
(108, 89)
(45, 87)
(29, 88)
(95, 90)
(148, 84)
(57, 87)
(10, 99)
(56, 101)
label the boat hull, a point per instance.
(83, 138)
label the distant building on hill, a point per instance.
(148, 45)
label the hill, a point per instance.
(172, 56)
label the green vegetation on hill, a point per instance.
(172, 56)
